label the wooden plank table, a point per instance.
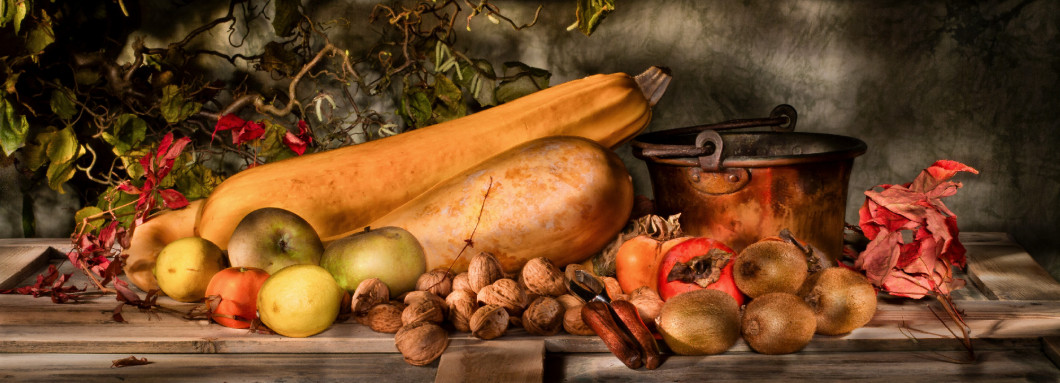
(1012, 307)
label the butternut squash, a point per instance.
(149, 238)
(563, 198)
(347, 188)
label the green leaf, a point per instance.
(13, 127)
(62, 103)
(34, 154)
(416, 106)
(127, 132)
(83, 214)
(591, 13)
(131, 161)
(174, 105)
(287, 17)
(63, 151)
(480, 85)
(113, 199)
(197, 181)
(451, 102)
(523, 80)
(84, 76)
(272, 146)
(41, 36)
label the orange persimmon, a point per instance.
(637, 261)
(237, 290)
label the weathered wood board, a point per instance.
(1011, 306)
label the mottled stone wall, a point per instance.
(976, 82)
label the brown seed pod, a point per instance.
(573, 322)
(385, 318)
(438, 282)
(483, 270)
(369, 292)
(543, 317)
(542, 277)
(427, 310)
(421, 343)
(505, 293)
(489, 321)
(462, 305)
(460, 282)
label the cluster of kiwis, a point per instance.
(790, 302)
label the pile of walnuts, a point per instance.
(482, 301)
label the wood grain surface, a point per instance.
(1011, 308)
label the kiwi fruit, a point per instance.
(700, 322)
(778, 323)
(841, 299)
(770, 266)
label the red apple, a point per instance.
(237, 288)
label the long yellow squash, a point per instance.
(347, 188)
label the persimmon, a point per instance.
(643, 245)
(236, 289)
(696, 264)
(637, 261)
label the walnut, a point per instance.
(505, 293)
(427, 310)
(541, 277)
(614, 290)
(421, 343)
(573, 323)
(369, 292)
(462, 305)
(460, 282)
(416, 296)
(384, 318)
(483, 270)
(648, 304)
(489, 321)
(569, 300)
(543, 317)
(438, 281)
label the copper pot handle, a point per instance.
(708, 143)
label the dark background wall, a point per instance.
(976, 82)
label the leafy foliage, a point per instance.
(133, 138)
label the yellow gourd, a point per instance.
(563, 198)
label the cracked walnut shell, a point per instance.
(369, 292)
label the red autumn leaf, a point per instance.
(299, 142)
(227, 122)
(924, 264)
(173, 199)
(248, 132)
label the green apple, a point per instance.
(272, 238)
(390, 253)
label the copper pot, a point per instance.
(739, 187)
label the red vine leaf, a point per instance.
(299, 142)
(913, 235)
(242, 130)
